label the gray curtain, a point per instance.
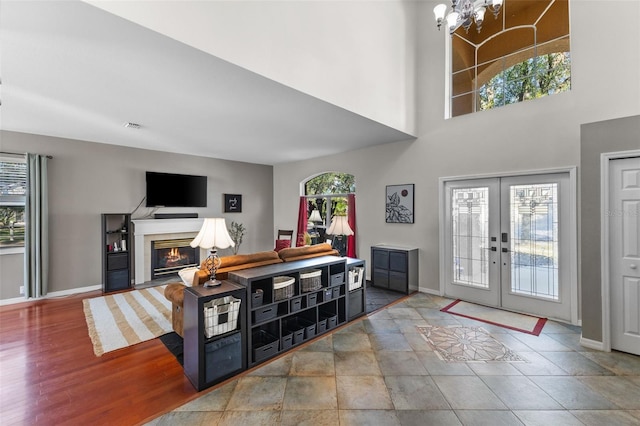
(36, 241)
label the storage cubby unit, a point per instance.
(280, 319)
(116, 254)
(356, 288)
(395, 268)
(215, 333)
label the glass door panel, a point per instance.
(534, 240)
(535, 272)
(472, 257)
(470, 222)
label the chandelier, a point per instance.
(464, 12)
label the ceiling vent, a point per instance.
(131, 125)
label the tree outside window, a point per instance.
(522, 55)
(13, 184)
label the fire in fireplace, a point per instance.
(169, 256)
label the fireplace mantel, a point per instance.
(145, 230)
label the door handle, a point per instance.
(633, 266)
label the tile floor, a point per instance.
(380, 371)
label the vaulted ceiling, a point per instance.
(72, 70)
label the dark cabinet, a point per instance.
(356, 287)
(116, 251)
(214, 333)
(395, 268)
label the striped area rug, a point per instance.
(124, 319)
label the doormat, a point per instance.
(467, 344)
(124, 319)
(511, 320)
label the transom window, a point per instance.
(523, 54)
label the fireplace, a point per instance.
(169, 256)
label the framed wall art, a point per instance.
(399, 203)
(232, 203)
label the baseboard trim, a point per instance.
(429, 291)
(592, 344)
(51, 295)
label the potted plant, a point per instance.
(236, 232)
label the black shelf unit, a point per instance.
(395, 268)
(210, 360)
(357, 297)
(275, 326)
(116, 252)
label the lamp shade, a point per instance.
(315, 216)
(213, 234)
(339, 226)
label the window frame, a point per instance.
(13, 200)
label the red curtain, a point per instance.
(351, 218)
(302, 222)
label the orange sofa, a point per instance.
(174, 292)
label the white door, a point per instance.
(507, 243)
(624, 253)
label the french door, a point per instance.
(507, 243)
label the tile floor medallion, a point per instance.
(464, 344)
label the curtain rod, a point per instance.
(22, 154)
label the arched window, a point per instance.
(326, 196)
(523, 54)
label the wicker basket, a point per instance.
(282, 288)
(355, 278)
(221, 315)
(310, 280)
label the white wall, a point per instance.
(539, 134)
(359, 55)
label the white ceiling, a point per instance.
(71, 70)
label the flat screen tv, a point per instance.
(173, 190)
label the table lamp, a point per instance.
(339, 227)
(213, 235)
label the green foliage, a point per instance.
(534, 78)
(331, 183)
(236, 232)
(12, 226)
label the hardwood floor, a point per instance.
(49, 374)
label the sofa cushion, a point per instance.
(297, 253)
(187, 274)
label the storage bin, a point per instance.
(298, 336)
(264, 345)
(355, 277)
(310, 280)
(296, 304)
(221, 315)
(282, 288)
(223, 357)
(337, 279)
(322, 326)
(264, 314)
(332, 319)
(335, 293)
(312, 299)
(257, 298)
(286, 341)
(327, 294)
